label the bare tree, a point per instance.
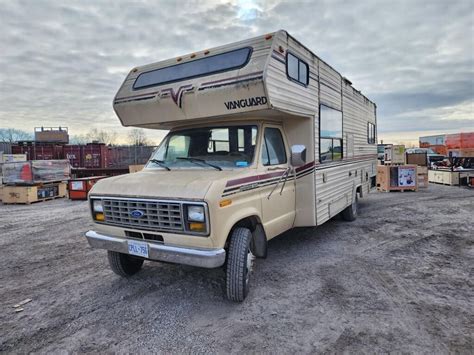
(137, 136)
(101, 136)
(14, 135)
(78, 139)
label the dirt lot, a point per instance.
(400, 278)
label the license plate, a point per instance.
(138, 248)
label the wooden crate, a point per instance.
(394, 154)
(444, 177)
(35, 193)
(388, 178)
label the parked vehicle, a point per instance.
(431, 155)
(264, 136)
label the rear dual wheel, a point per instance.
(350, 213)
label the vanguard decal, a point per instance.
(252, 101)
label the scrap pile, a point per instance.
(34, 180)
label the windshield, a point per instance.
(207, 148)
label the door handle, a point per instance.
(276, 168)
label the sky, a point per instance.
(63, 61)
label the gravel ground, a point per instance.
(399, 279)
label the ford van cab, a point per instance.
(263, 137)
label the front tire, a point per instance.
(350, 213)
(123, 264)
(239, 265)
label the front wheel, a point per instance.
(350, 213)
(123, 264)
(239, 265)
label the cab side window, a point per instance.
(273, 148)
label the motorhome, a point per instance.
(264, 136)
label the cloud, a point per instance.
(62, 63)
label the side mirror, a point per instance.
(298, 155)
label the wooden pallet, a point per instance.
(397, 189)
(31, 194)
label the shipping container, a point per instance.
(461, 153)
(124, 156)
(428, 141)
(73, 153)
(42, 151)
(6, 147)
(460, 140)
(94, 155)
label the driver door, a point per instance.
(278, 193)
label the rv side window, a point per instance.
(200, 67)
(296, 69)
(370, 133)
(273, 148)
(330, 136)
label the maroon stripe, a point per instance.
(306, 166)
(253, 178)
(129, 97)
(235, 77)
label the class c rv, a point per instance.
(264, 136)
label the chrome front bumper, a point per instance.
(207, 258)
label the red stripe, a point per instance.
(253, 178)
(129, 97)
(306, 166)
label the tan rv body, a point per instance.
(260, 93)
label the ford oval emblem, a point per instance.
(137, 213)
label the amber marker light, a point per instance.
(267, 37)
(206, 52)
(179, 59)
(99, 217)
(197, 227)
(224, 203)
(193, 55)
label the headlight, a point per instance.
(97, 206)
(196, 213)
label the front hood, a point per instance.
(154, 183)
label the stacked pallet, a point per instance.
(34, 181)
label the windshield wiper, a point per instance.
(197, 160)
(161, 163)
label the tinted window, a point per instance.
(331, 122)
(326, 149)
(330, 137)
(296, 69)
(204, 66)
(370, 133)
(273, 148)
(292, 66)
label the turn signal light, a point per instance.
(99, 217)
(224, 203)
(197, 227)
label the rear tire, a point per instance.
(350, 213)
(239, 265)
(123, 264)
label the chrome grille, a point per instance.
(157, 215)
